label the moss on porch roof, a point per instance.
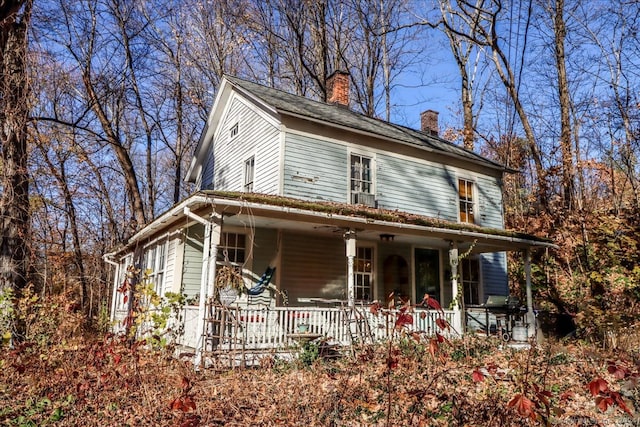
(367, 212)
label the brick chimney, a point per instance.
(338, 88)
(429, 122)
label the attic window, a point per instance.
(234, 131)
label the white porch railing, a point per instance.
(280, 327)
(283, 327)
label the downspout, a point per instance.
(206, 280)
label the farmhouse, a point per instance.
(313, 210)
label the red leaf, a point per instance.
(433, 346)
(176, 404)
(403, 320)
(191, 421)
(117, 358)
(440, 338)
(477, 376)
(617, 371)
(603, 403)
(566, 395)
(432, 302)
(189, 404)
(620, 402)
(522, 404)
(184, 383)
(125, 299)
(598, 385)
(374, 308)
(442, 324)
(423, 314)
(392, 362)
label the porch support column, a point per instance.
(350, 241)
(531, 318)
(453, 263)
(212, 231)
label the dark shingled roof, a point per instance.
(285, 103)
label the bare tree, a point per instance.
(463, 49)
(485, 19)
(14, 176)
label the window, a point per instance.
(249, 168)
(465, 196)
(233, 132)
(123, 289)
(361, 180)
(232, 249)
(156, 260)
(364, 273)
(471, 280)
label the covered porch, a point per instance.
(329, 259)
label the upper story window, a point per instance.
(465, 198)
(362, 180)
(249, 170)
(233, 132)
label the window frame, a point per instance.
(123, 274)
(471, 287)
(156, 257)
(223, 245)
(362, 290)
(360, 179)
(468, 214)
(234, 131)
(249, 165)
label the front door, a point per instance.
(427, 273)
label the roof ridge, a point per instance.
(415, 137)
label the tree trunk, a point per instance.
(14, 178)
(560, 31)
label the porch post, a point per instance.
(350, 240)
(531, 318)
(453, 263)
(212, 231)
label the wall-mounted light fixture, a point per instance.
(387, 237)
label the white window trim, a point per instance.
(441, 268)
(478, 259)
(156, 269)
(361, 153)
(234, 131)
(244, 174)
(474, 198)
(123, 269)
(374, 261)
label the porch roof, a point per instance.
(330, 217)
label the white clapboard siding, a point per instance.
(256, 137)
(315, 169)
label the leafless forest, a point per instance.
(102, 103)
